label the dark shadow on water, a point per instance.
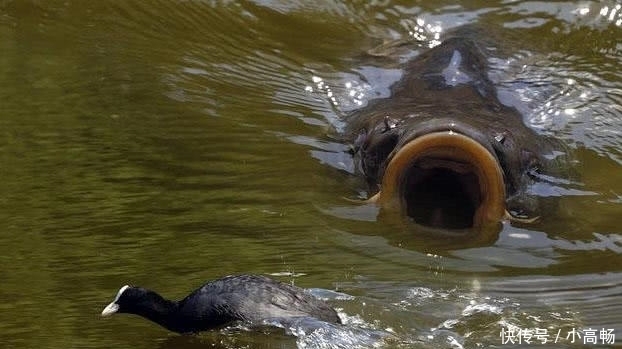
(230, 338)
(302, 332)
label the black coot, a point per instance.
(249, 298)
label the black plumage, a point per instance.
(249, 298)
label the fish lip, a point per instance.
(452, 150)
(444, 125)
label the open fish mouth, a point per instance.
(444, 179)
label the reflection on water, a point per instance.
(167, 143)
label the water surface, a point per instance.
(165, 143)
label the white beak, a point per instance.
(110, 309)
(114, 307)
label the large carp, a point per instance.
(444, 151)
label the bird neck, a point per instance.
(157, 309)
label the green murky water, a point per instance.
(165, 143)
